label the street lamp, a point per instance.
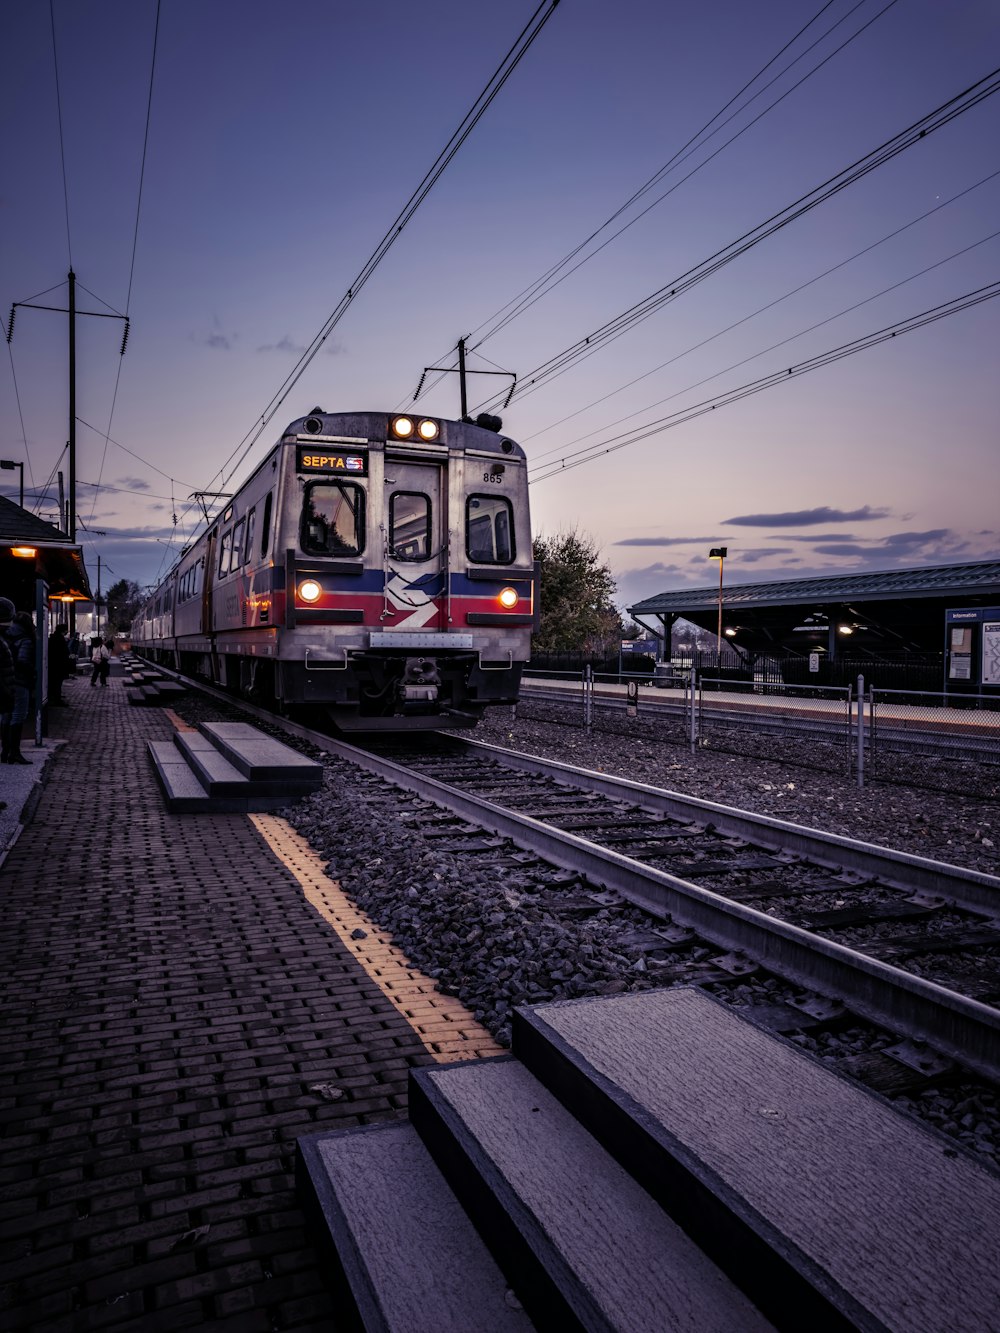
(719, 553)
(8, 465)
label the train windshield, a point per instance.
(333, 519)
(489, 530)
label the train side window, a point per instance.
(248, 545)
(489, 530)
(333, 519)
(409, 525)
(225, 552)
(237, 557)
(265, 527)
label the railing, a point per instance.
(922, 739)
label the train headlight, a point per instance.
(310, 591)
(402, 427)
(508, 599)
(428, 430)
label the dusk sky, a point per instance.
(284, 140)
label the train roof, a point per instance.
(485, 434)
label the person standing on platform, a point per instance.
(59, 664)
(19, 632)
(101, 661)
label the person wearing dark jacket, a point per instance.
(19, 632)
(59, 664)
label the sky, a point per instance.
(283, 141)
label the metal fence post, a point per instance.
(861, 733)
(588, 695)
(694, 723)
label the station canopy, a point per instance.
(31, 549)
(888, 613)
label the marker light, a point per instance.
(402, 427)
(730, 632)
(428, 430)
(310, 591)
(508, 599)
(25, 552)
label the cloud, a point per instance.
(804, 518)
(332, 347)
(761, 553)
(821, 537)
(284, 344)
(665, 541)
(842, 548)
(900, 540)
(217, 338)
(132, 483)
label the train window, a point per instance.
(489, 530)
(409, 526)
(225, 552)
(248, 546)
(237, 556)
(265, 527)
(333, 519)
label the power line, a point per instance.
(642, 310)
(770, 305)
(730, 396)
(62, 149)
(503, 72)
(544, 285)
(135, 243)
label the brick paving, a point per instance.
(167, 998)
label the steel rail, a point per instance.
(973, 889)
(963, 1029)
(960, 1028)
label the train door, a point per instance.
(415, 547)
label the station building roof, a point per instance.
(56, 559)
(895, 610)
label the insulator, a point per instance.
(506, 401)
(124, 338)
(419, 386)
(10, 324)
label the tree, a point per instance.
(577, 612)
(123, 601)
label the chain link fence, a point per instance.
(936, 741)
(922, 739)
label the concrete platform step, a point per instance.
(185, 794)
(262, 758)
(403, 1256)
(818, 1199)
(581, 1242)
(221, 778)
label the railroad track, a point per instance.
(830, 930)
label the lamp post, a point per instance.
(8, 465)
(719, 553)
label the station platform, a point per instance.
(181, 997)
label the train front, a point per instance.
(410, 589)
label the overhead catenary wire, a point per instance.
(782, 376)
(511, 60)
(622, 323)
(62, 147)
(770, 305)
(135, 244)
(549, 280)
(677, 160)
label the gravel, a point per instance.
(960, 830)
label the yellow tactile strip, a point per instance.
(445, 1026)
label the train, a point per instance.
(376, 567)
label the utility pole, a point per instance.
(462, 373)
(72, 406)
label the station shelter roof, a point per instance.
(56, 559)
(891, 611)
